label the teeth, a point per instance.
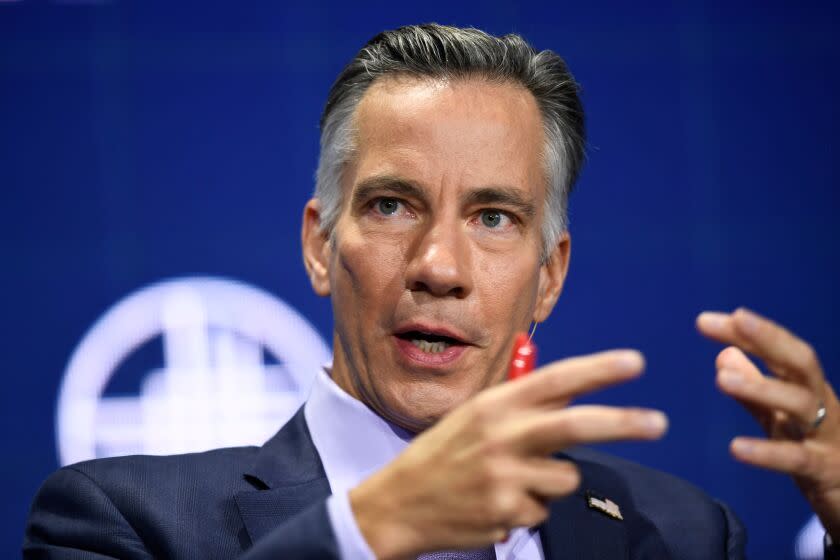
(430, 347)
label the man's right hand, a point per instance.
(487, 466)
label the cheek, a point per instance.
(366, 273)
(508, 290)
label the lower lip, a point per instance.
(417, 357)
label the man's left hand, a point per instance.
(787, 405)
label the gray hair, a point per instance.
(443, 52)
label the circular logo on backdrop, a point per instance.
(237, 363)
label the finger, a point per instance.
(531, 510)
(508, 506)
(559, 382)
(545, 433)
(764, 395)
(549, 478)
(786, 354)
(802, 459)
(783, 421)
(719, 326)
(733, 358)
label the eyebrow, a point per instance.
(502, 196)
(386, 183)
(486, 196)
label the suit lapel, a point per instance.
(264, 510)
(574, 530)
(287, 477)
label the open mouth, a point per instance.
(430, 343)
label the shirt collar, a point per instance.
(352, 440)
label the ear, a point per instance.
(316, 248)
(552, 277)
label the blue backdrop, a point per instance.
(145, 141)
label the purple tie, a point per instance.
(488, 553)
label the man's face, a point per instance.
(435, 264)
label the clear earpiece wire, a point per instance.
(533, 330)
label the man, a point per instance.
(438, 230)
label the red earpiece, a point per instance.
(524, 357)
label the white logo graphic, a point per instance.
(214, 389)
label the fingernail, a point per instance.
(711, 320)
(730, 378)
(747, 321)
(655, 422)
(742, 447)
(630, 360)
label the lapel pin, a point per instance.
(604, 505)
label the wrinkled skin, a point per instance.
(441, 227)
(434, 260)
(414, 245)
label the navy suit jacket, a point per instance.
(269, 502)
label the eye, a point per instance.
(493, 218)
(387, 206)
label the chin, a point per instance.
(416, 408)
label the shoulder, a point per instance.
(144, 503)
(644, 483)
(684, 515)
(162, 484)
(140, 470)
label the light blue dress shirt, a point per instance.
(354, 442)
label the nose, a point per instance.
(440, 264)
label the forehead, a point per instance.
(470, 132)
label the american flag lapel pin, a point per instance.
(604, 505)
